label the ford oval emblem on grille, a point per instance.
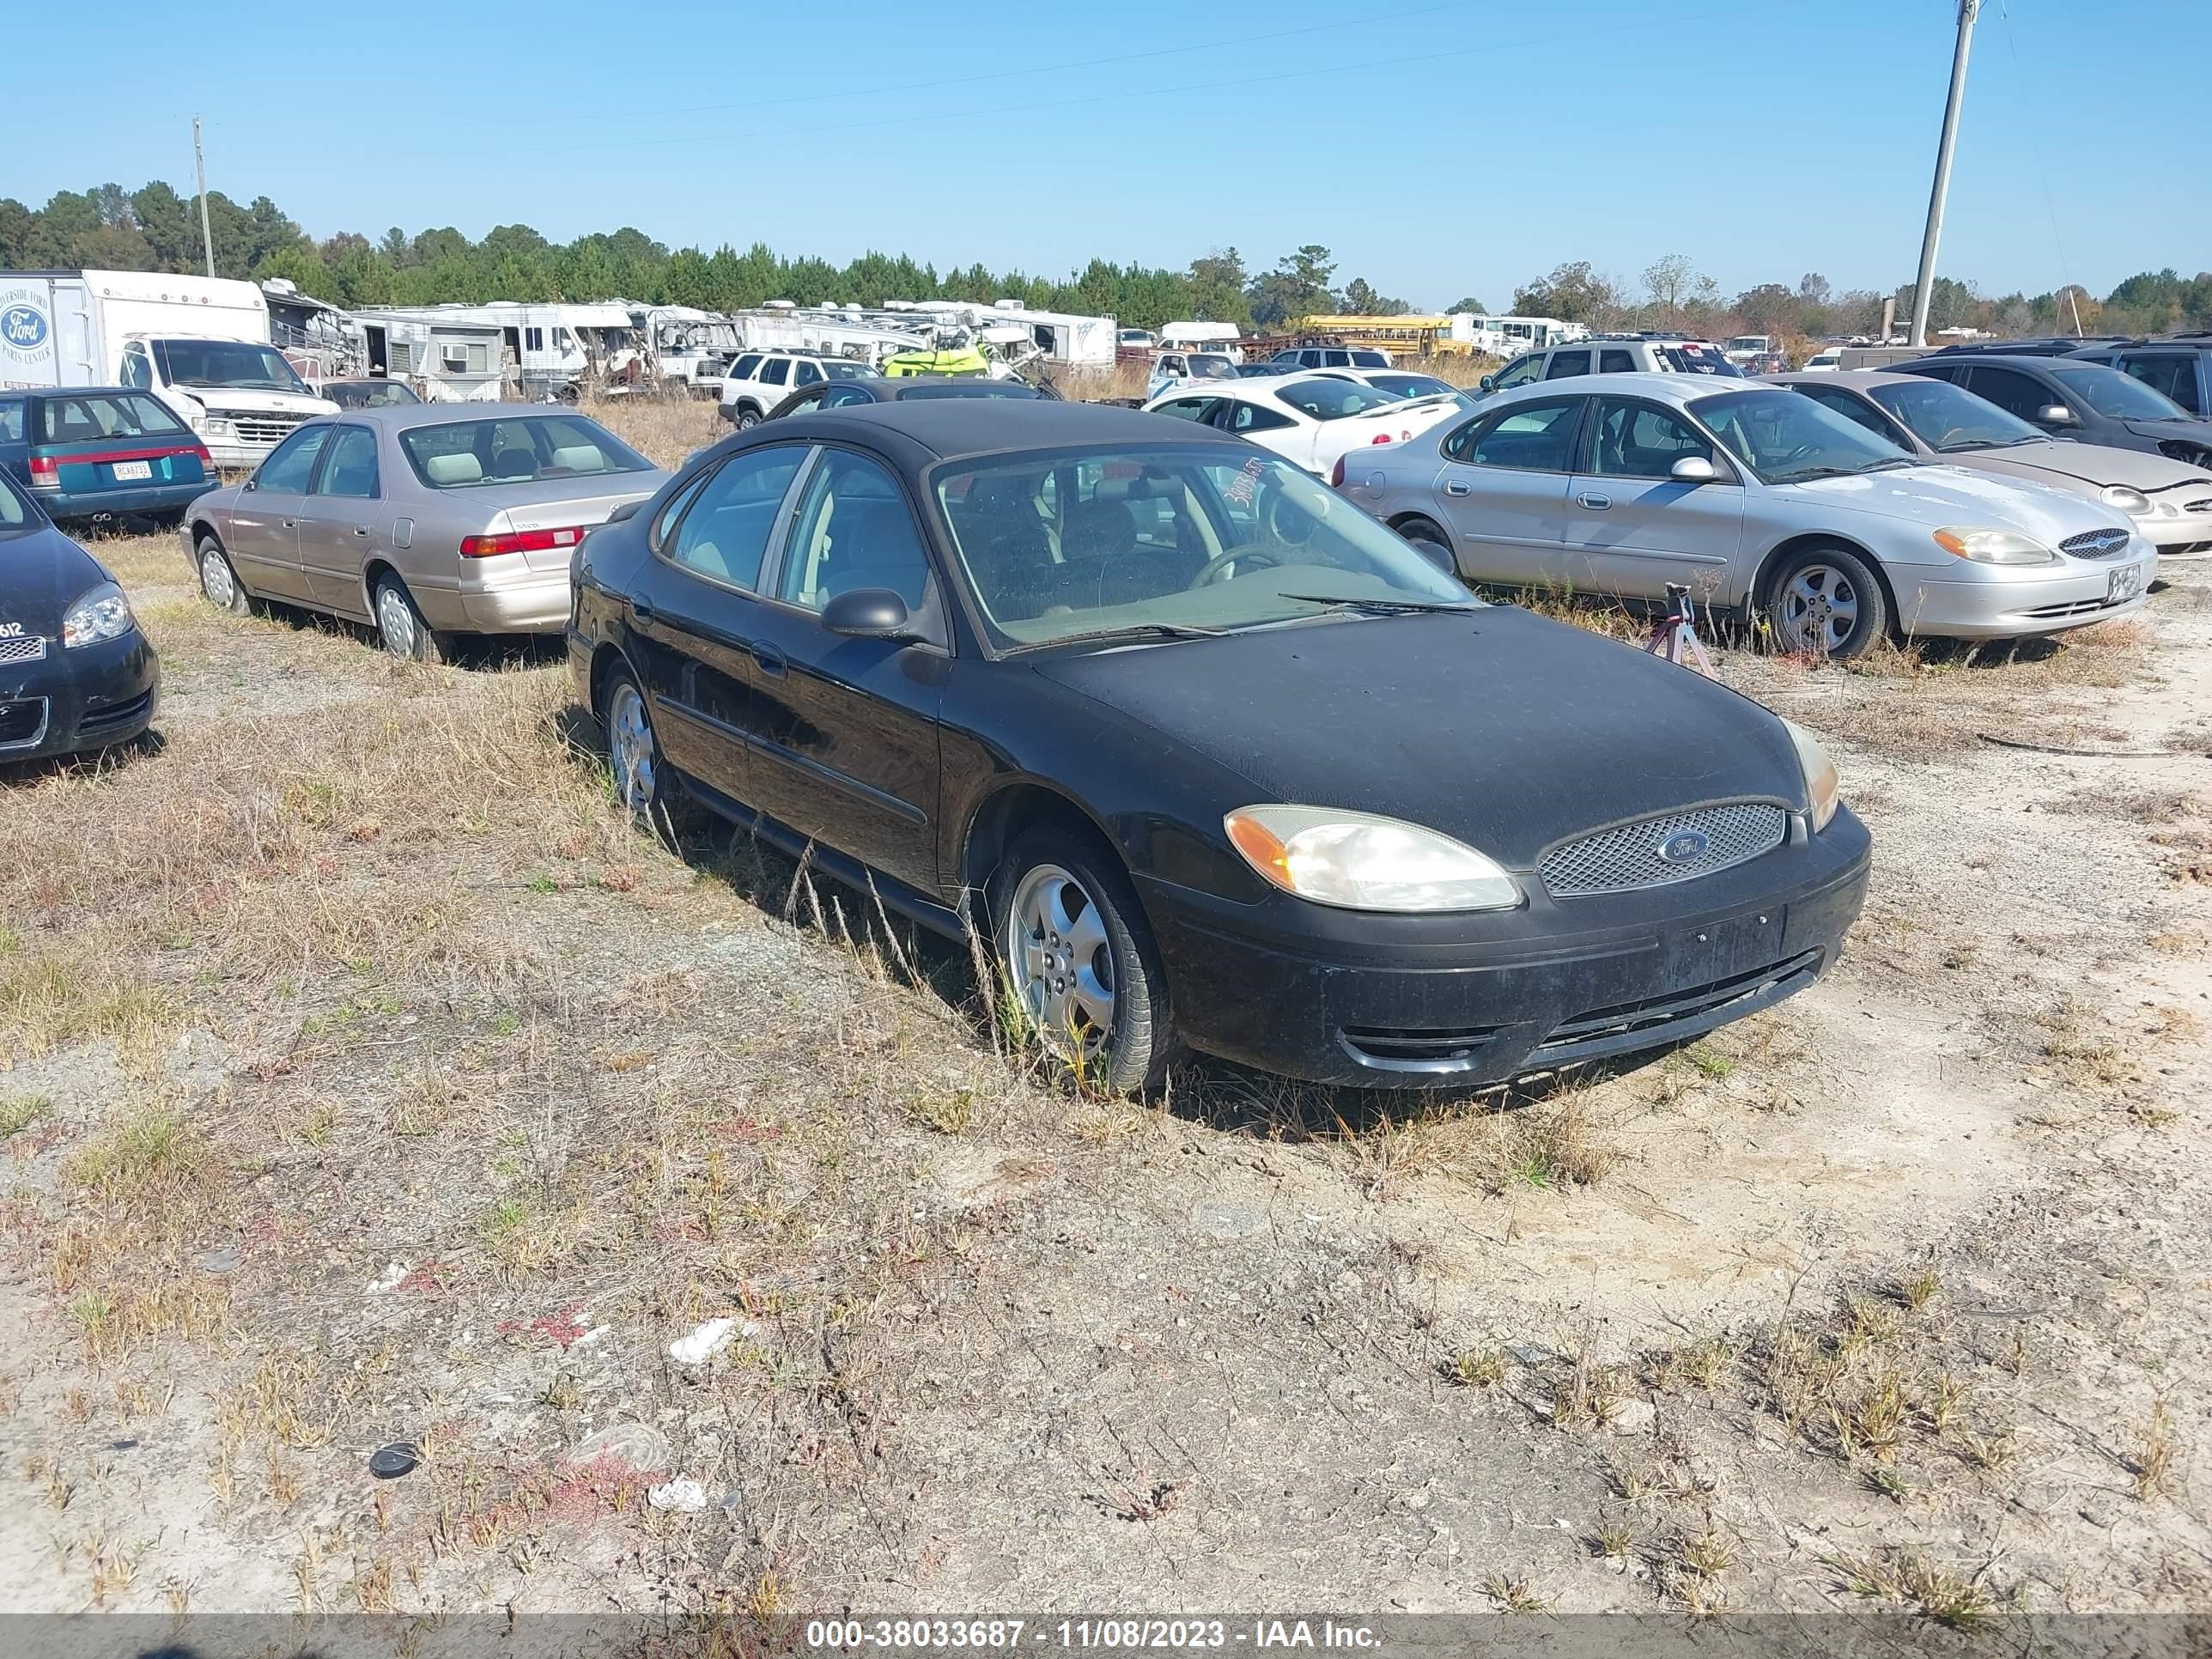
(1685, 848)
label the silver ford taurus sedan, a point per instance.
(428, 520)
(2170, 500)
(1755, 497)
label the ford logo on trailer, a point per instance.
(23, 326)
(1685, 848)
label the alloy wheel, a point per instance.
(1820, 607)
(1061, 962)
(630, 750)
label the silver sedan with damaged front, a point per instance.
(1756, 499)
(423, 522)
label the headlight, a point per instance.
(214, 427)
(1822, 786)
(102, 614)
(2133, 502)
(1357, 861)
(1993, 546)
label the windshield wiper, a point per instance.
(1845, 471)
(1132, 630)
(1409, 607)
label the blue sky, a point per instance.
(1440, 149)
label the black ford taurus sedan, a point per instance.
(75, 674)
(1215, 759)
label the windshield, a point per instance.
(1332, 400)
(239, 364)
(1205, 367)
(86, 417)
(1947, 418)
(370, 394)
(842, 368)
(1696, 357)
(516, 450)
(2120, 396)
(1062, 543)
(14, 511)
(1784, 438)
(1415, 385)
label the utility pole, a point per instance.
(199, 171)
(1922, 290)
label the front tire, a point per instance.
(1826, 602)
(399, 620)
(1077, 961)
(219, 583)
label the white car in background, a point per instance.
(1313, 420)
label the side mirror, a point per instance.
(2055, 414)
(626, 510)
(1486, 385)
(1694, 469)
(253, 483)
(869, 613)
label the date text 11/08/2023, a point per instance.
(1085, 1635)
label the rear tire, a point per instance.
(219, 583)
(399, 620)
(1076, 956)
(1826, 602)
(640, 772)
(747, 418)
(1418, 531)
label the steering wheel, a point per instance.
(1796, 454)
(1944, 442)
(1213, 572)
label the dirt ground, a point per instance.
(364, 1079)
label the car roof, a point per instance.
(1853, 376)
(950, 428)
(402, 415)
(1646, 383)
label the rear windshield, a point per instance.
(1332, 400)
(88, 417)
(1693, 357)
(975, 388)
(370, 394)
(234, 363)
(516, 449)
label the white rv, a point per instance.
(1508, 336)
(1219, 339)
(546, 351)
(199, 343)
(1057, 336)
(685, 347)
(445, 360)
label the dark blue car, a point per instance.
(76, 671)
(102, 453)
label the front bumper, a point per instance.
(1457, 1001)
(69, 506)
(2016, 604)
(74, 701)
(2178, 535)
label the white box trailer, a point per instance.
(199, 343)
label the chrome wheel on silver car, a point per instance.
(1061, 962)
(631, 753)
(1826, 602)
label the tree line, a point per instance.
(156, 229)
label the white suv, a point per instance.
(1616, 354)
(758, 381)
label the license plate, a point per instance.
(1733, 945)
(2124, 584)
(127, 471)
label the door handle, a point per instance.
(1455, 488)
(291, 524)
(771, 661)
(1596, 503)
(360, 530)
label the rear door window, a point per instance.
(11, 420)
(1615, 362)
(1531, 437)
(775, 372)
(1564, 363)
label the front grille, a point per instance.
(115, 715)
(2073, 608)
(265, 427)
(1637, 854)
(2186, 547)
(23, 721)
(1652, 1013)
(18, 648)
(1391, 1045)
(2096, 543)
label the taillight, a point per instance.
(1336, 474)
(44, 473)
(207, 461)
(520, 541)
(1380, 438)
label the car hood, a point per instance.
(247, 400)
(42, 575)
(1498, 726)
(2091, 464)
(2193, 431)
(1936, 495)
